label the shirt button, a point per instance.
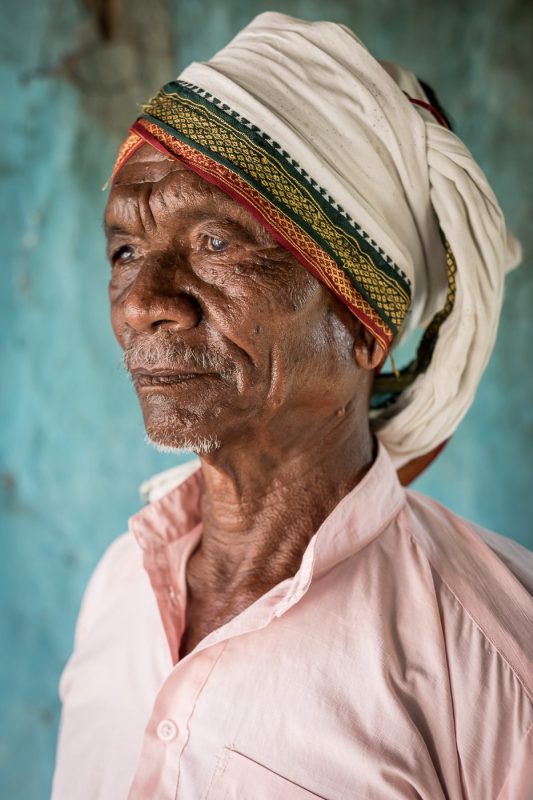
(166, 730)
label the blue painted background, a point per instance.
(71, 446)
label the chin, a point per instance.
(173, 429)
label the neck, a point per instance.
(261, 505)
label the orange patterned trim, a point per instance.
(127, 149)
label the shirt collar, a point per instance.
(169, 528)
(172, 515)
(354, 522)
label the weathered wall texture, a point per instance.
(71, 447)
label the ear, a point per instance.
(368, 353)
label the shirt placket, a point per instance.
(168, 730)
(167, 734)
(170, 589)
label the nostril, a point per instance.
(181, 312)
(145, 311)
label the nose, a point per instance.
(154, 301)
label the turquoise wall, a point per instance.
(71, 446)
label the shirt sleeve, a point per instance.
(96, 596)
(492, 710)
(91, 679)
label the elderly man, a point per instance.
(285, 620)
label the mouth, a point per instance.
(160, 378)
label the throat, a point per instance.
(224, 580)
(208, 611)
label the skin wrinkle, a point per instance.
(285, 417)
(147, 217)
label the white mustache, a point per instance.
(167, 354)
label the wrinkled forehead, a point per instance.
(154, 177)
(148, 168)
(146, 164)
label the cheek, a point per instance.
(320, 349)
(270, 282)
(114, 316)
(291, 288)
(289, 306)
(338, 337)
(281, 312)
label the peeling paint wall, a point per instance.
(71, 438)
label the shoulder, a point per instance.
(118, 568)
(451, 534)
(485, 578)
(476, 586)
(120, 573)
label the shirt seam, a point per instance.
(477, 624)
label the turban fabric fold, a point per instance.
(344, 162)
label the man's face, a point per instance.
(226, 336)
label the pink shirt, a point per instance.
(396, 663)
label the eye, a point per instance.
(122, 255)
(215, 244)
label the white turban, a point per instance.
(392, 184)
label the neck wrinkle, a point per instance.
(256, 529)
